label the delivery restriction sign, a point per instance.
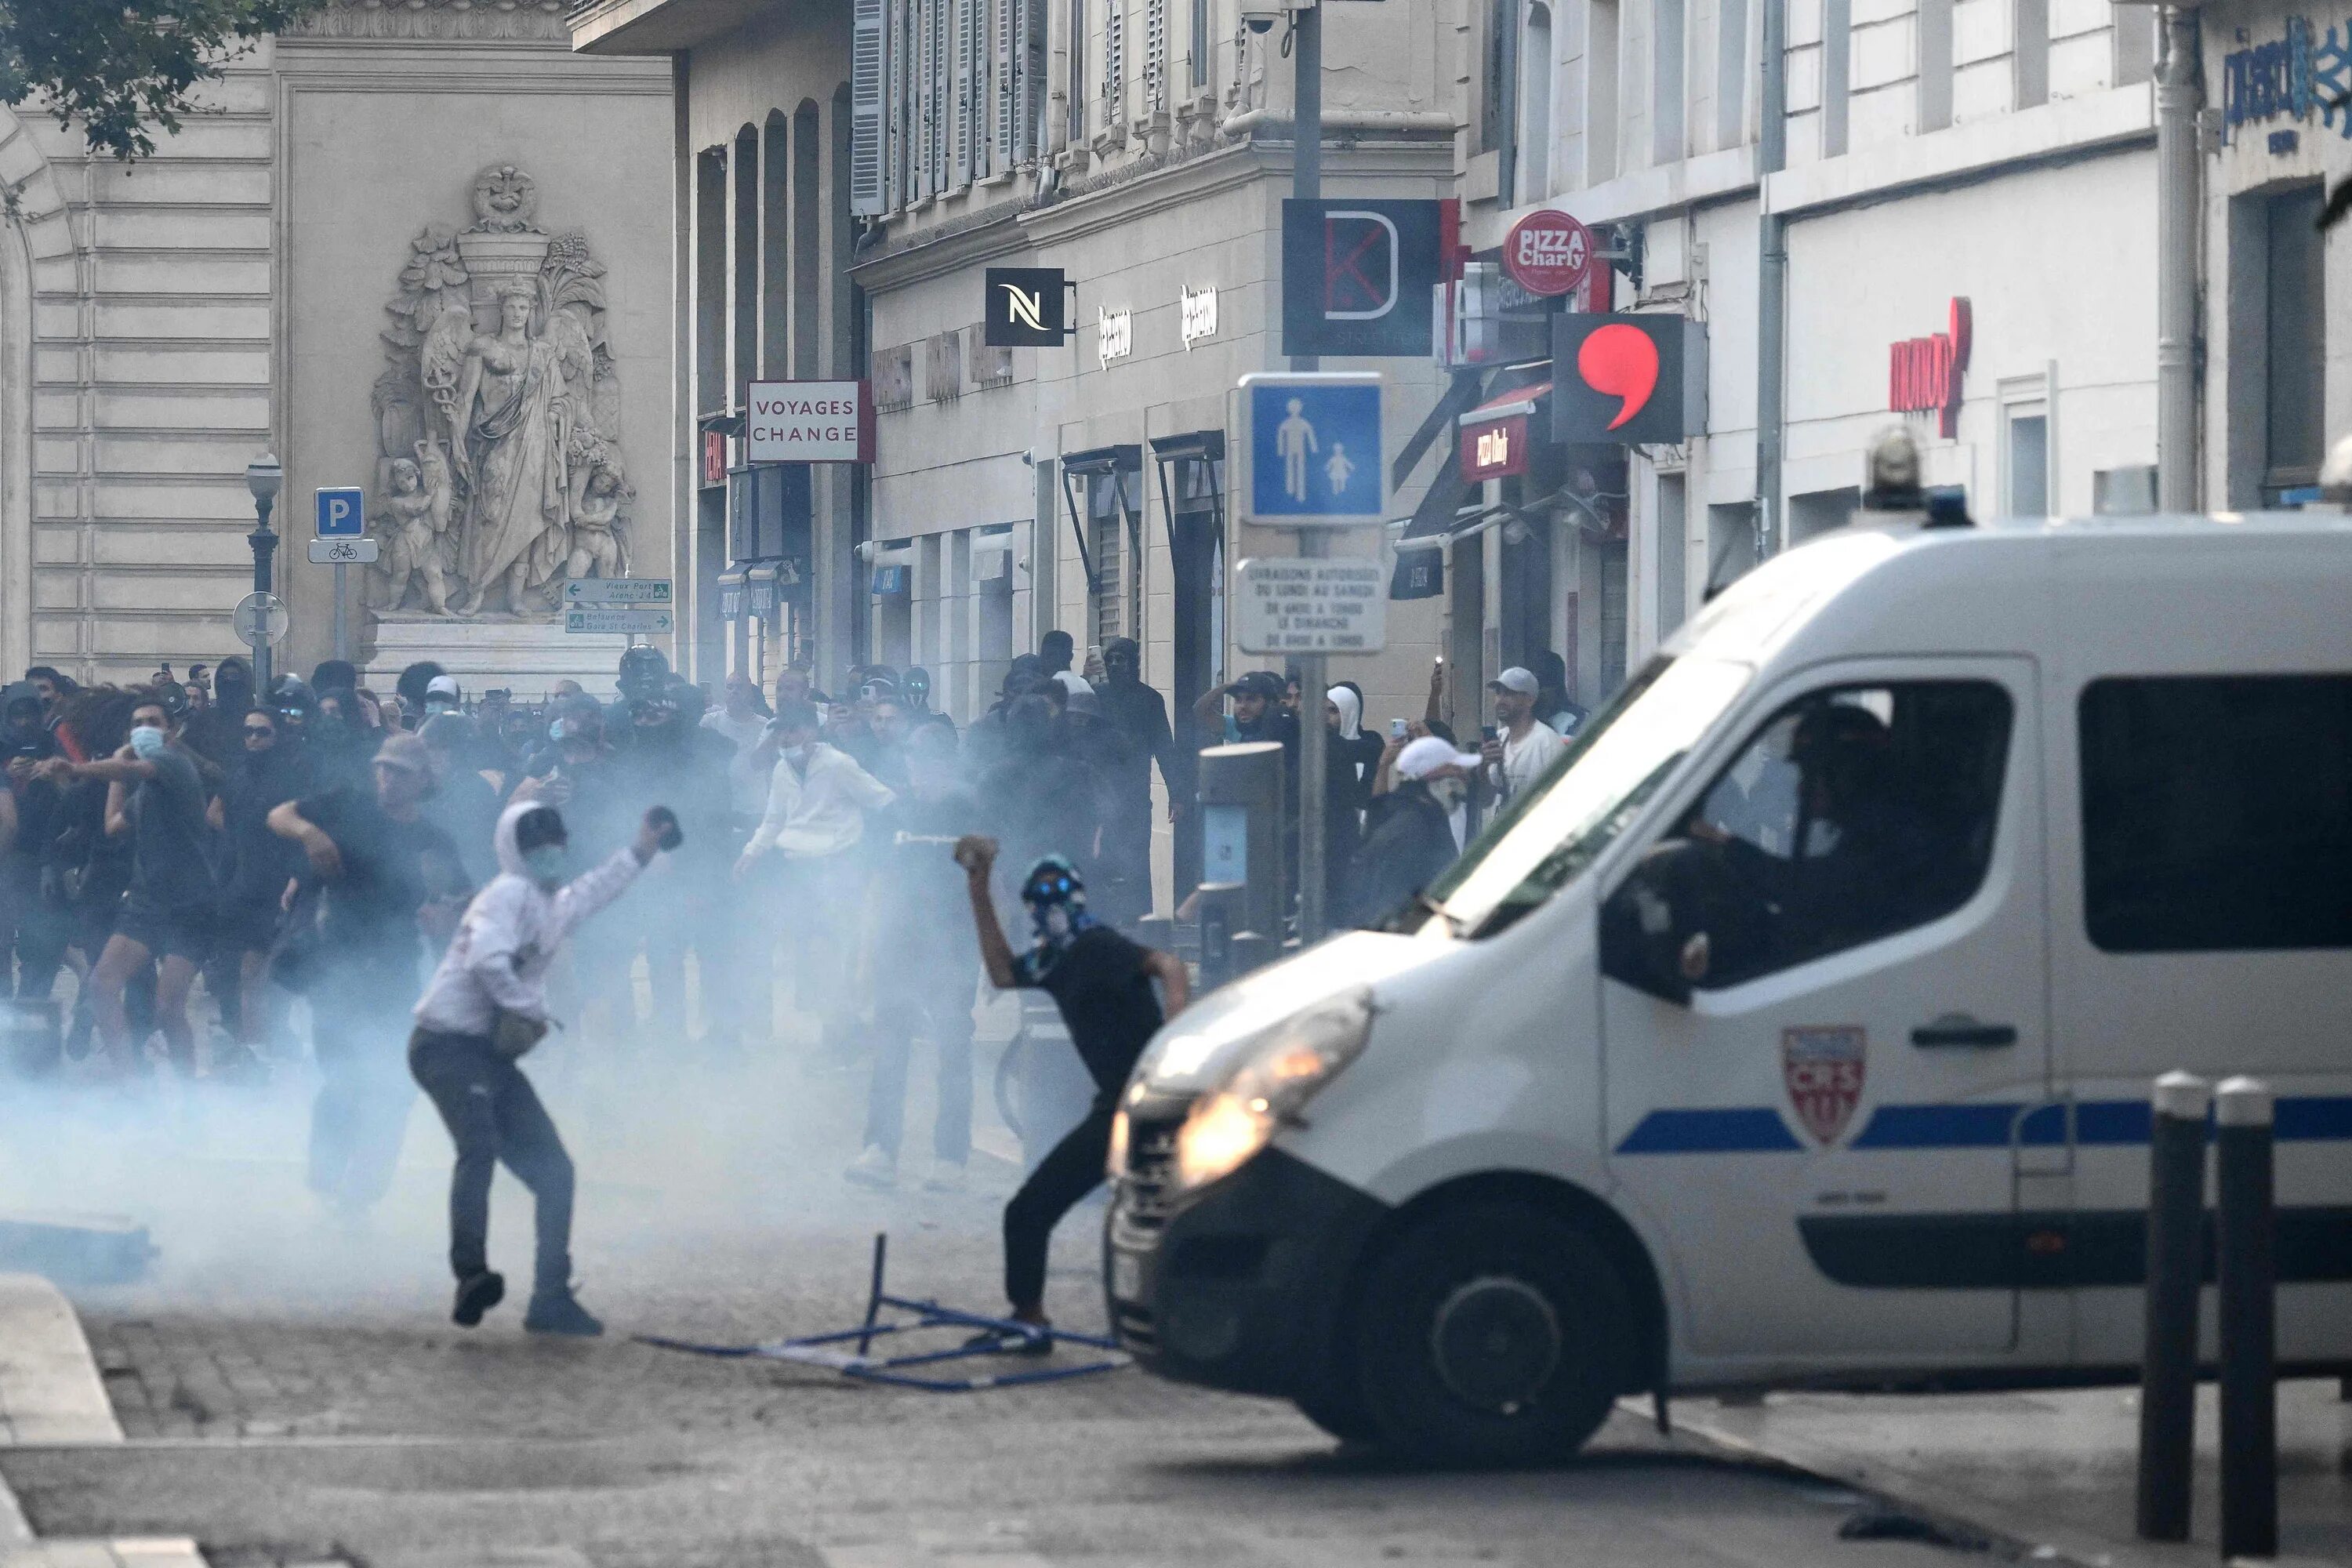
(1547, 252)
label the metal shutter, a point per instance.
(867, 55)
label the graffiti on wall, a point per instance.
(2304, 73)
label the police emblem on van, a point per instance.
(1823, 1066)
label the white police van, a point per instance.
(1798, 1028)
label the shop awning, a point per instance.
(759, 591)
(1525, 400)
(1118, 461)
(731, 593)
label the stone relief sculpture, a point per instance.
(498, 417)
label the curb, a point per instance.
(50, 1394)
(2019, 1535)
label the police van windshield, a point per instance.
(1556, 828)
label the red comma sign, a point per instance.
(1623, 361)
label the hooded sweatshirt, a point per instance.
(500, 955)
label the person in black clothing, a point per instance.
(1057, 650)
(156, 799)
(1102, 983)
(1138, 715)
(665, 756)
(272, 772)
(465, 803)
(1042, 795)
(384, 872)
(930, 977)
(32, 925)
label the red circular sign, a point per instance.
(1547, 252)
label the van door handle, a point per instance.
(1961, 1031)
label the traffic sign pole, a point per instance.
(1314, 756)
(341, 514)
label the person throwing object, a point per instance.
(485, 1007)
(1102, 983)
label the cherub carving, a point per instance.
(418, 513)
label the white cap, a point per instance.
(1426, 755)
(1074, 684)
(1518, 679)
(442, 686)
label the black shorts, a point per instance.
(247, 927)
(166, 933)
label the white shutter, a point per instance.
(1004, 108)
(942, 83)
(866, 95)
(959, 124)
(1114, 108)
(1032, 77)
(1155, 55)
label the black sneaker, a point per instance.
(477, 1294)
(560, 1313)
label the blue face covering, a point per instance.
(546, 863)
(147, 741)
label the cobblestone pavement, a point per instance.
(294, 1392)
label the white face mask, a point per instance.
(1448, 792)
(799, 755)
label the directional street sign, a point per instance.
(344, 552)
(1312, 606)
(642, 592)
(636, 623)
(259, 618)
(343, 512)
(1312, 449)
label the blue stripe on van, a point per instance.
(2098, 1123)
(1727, 1129)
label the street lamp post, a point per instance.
(262, 477)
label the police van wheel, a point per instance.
(1492, 1334)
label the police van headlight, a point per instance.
(1272, 1078)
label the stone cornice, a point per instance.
(494, 21)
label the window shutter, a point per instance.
(959, 126)
(866, 94)
(1033, 78)
(1114, 107)
(1155, 55)
(1005, 108)
(942, 87)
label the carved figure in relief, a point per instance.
(412, 544)
(500, 394)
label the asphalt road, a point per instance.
(294, 1392)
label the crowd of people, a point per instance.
(194, 837)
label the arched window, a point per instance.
(807, 237)
(747, 261)
(776, 254)
(710, 280)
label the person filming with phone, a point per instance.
(485, 1007)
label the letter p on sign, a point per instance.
(343, 512)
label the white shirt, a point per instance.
(507, 937)
(743, 732)
(819, 809)
(1525, 759)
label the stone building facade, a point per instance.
(163, 322)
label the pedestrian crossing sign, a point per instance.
(1314, 454)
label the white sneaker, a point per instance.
(945, 1177)
(874, 1168)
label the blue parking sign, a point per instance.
(1315, 448)
(343, 512)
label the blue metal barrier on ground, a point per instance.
(1009, 1338)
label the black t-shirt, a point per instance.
(1104, 990)
(168, 867)
(390, 870)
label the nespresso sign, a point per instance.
(1924, 375)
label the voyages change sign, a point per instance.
(809, 422)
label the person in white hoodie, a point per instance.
(485, 1007)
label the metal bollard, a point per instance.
(1219, 903)
(2249, 1324)
(2167, 1376)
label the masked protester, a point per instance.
(817, 802)
(1102, 983)
(465, 803)
(930, 980)
(156, 799)
(272, 772)
(32, 926)
(1408, 838)
(668, 756)
(386, 875)
(485, 1007)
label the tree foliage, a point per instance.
(120, 67)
